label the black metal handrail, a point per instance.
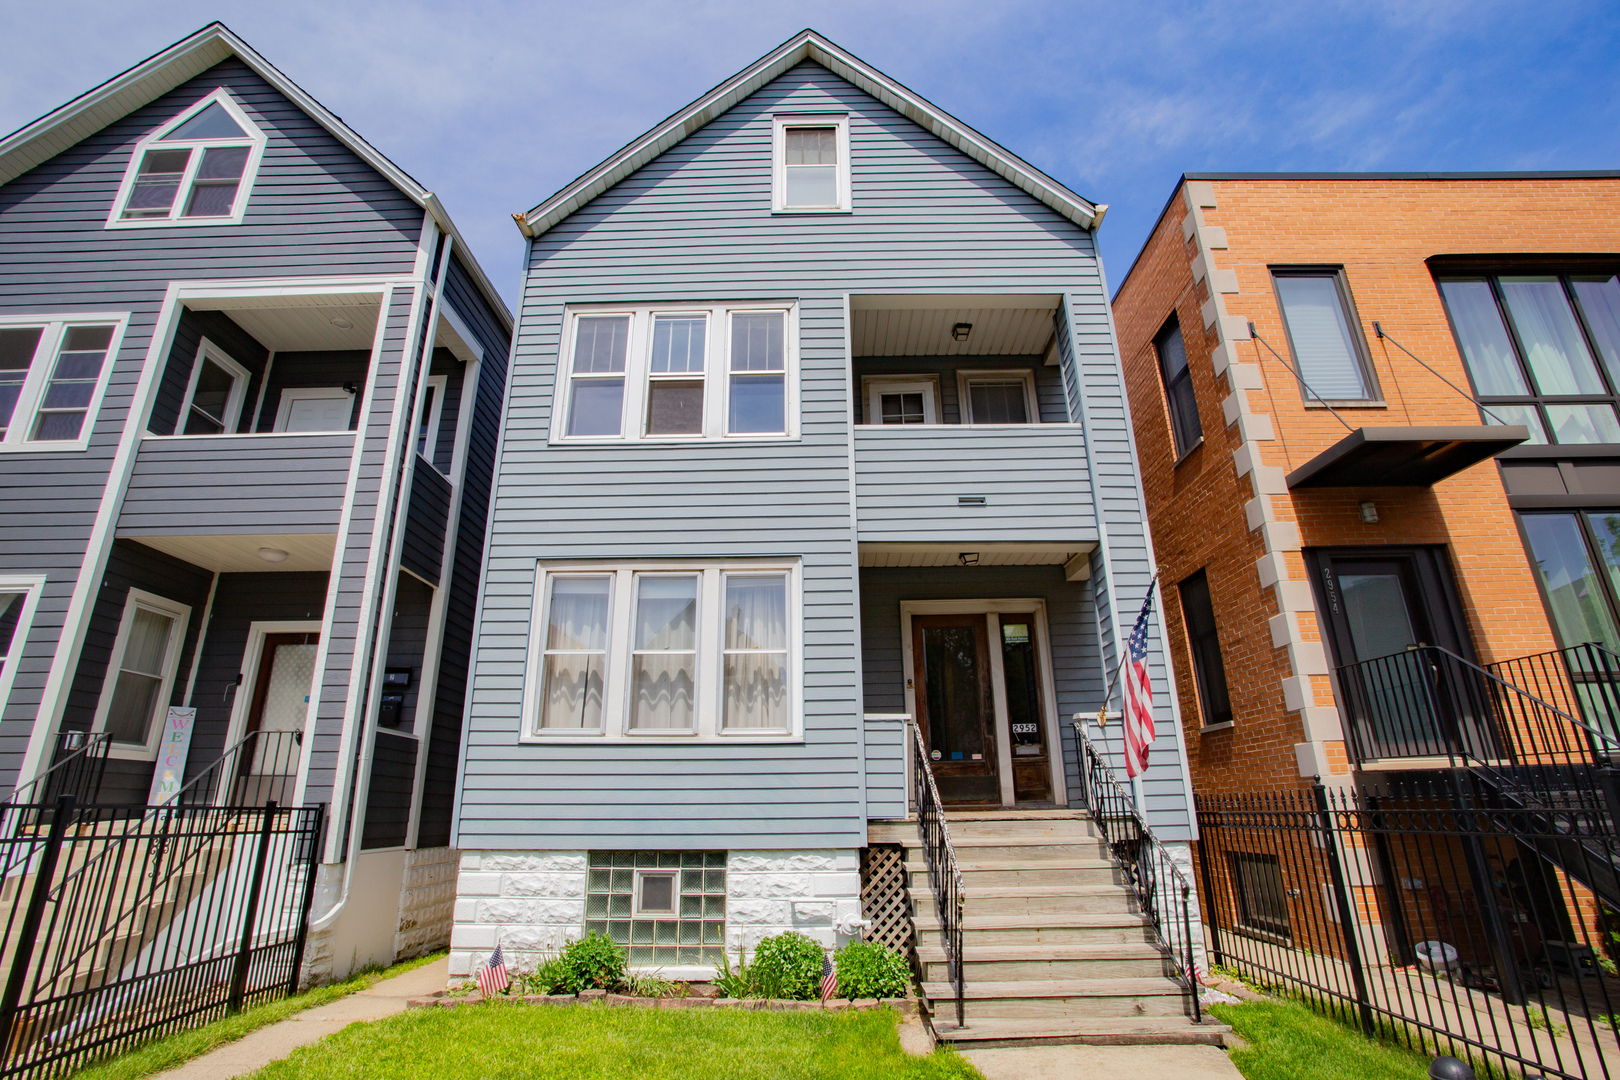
(1162, 890)
(944, 874)
(1581, 681)
(260, 767)
(77, 767)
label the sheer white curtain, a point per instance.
(576, 653)
(1485, 342)
(136, 694)
(663, 669)
(1552, 340)
(756, 639)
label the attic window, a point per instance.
(810, 168)
(197, 169)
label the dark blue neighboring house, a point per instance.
(250, 386)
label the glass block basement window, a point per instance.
(628, 897)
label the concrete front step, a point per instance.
(1060, 999)
(1027, 872)
(1005, 963)
(1099, 927)
(975, 849)
(906, 832)
(1043, 901)
(1099, 1031)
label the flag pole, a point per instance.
(1102, 712)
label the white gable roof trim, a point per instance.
(809, 45)
(56, 131)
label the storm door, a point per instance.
(269, 765)
(956, 706)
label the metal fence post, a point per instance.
(244, 954)
(29, 932)
(1346, 906)
(1211, 919)
(316, 826)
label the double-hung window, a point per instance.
(665, 650)
(213, 404)
(18, 598)
(1543, 350)
(52, 374)
(1178, 388)
(1324, 335)
(678, 373)
(140, 676)
(997, 397)
(198, 169)
(810, 164)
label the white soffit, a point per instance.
(240, 554)
(998, 331)
(809, 45)
(921, 555)
(302, 323)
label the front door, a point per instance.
(1021, 673)
(956, 706)
(281, 690)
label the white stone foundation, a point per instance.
(817, 893)
(427, 902)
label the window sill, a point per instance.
(1194, 448)
(177, 223)
(689, 739)
(1227, 725)
(43, 447)
(812, 210)
(1355, 403)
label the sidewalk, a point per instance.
(1136, 1062)
(278, 1040)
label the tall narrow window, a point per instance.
(427, 430)
(1178, 389)
(756, 652)
(141, 674)
(196, 171)
(812, 166)
(17, 348)
(597, 395)
(1327, 348)
(1208, 669)
(576, 653)
(72, 384)
(10, 609)
(757, 394)
(675, 375)
(664, 659)
(1573, 586)
(214, 398)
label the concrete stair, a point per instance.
(1055, 949)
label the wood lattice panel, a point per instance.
(883, 896)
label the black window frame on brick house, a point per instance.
(1318, 395)
(1186, 429)
(1203, 641)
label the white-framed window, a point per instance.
(427, 429)
(676, 373)
(314, 408)
(53, 372)
(19, 596)
(998, 397)
(810, 164)
(197, 169)
(213, 402)
(676, 650)
(140, 673)
(899, 400)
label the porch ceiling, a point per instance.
(908, 555)
(921, 325)
(239, 554)
(299, 323)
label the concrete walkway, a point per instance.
(278, 1040)
(1136, 1062)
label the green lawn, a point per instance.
(582, 1042)
(181, 1047)
(1287, 1041)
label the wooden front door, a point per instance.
(956, 706)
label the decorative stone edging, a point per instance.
(906, 1006)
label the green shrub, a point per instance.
(787, 966)
(734, 984)
(592, 962)
(867, 969)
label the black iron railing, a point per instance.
(1162, 891)
(261, 767)
(77, 766)
(944, 875)
(1423, 910)
(123, 924)
(1583, 681)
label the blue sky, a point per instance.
(495, 105)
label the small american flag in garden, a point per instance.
(829, 979)
(1138, 696)
(492, 975)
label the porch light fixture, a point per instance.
(269, 554)
(968, 558)
(350, 388)
(340, 322)
(961, 330)
(1369, 512)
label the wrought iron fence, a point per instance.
(1162, 891)
(126, 923)
(944, 875)
(1426, 910)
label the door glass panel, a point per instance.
(286, 705)
(1375, 607)
(955, 712)
(1023, 688)
(1570, 582)
(902, 408)
(1552, 340)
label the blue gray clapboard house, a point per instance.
(816, 422)
(250, 385)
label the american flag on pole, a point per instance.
(492, 975)
(829, 979)
(1138, 695)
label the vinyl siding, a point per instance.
(316, 208)
(886, 796)
(695, 224)
(427, 514)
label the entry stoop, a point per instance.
(1055, 949)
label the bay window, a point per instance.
(701, 372)
(682, 650)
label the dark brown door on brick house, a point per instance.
(956, 706)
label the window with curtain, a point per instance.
(1185, 427)
(140, 674)
(642, 650)
(1327, 345)
(1542, 350)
